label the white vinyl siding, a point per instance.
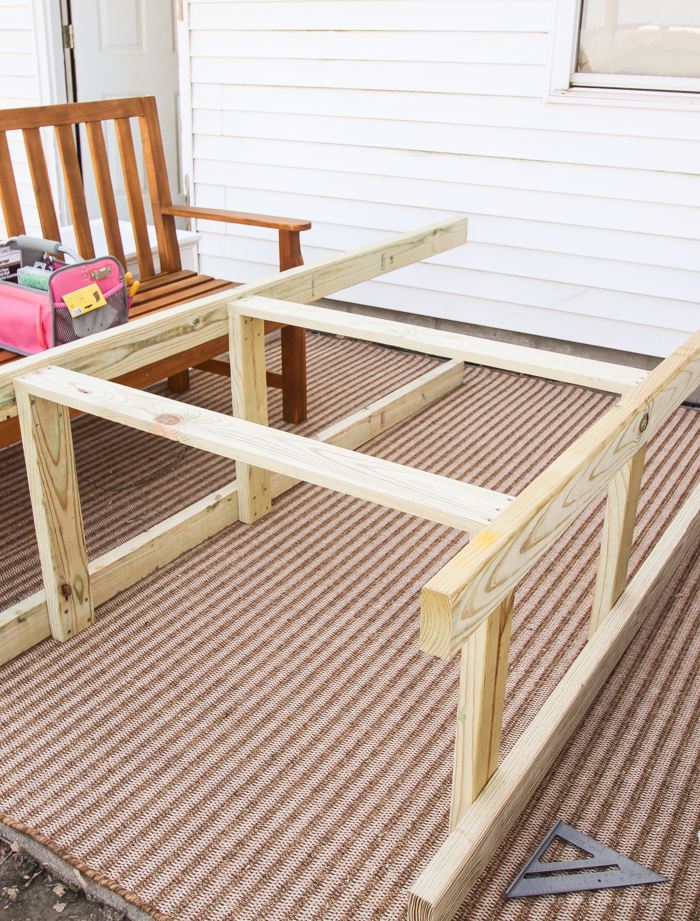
(372, 117)
(19, 87)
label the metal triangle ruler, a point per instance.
(606, 868)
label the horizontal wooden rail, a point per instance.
(26, 623)
(387, 411)
(436, 498)
(465, 591)
(71, 113)
(566, 368)
(141, 342)
(444, 884)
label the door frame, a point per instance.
(51, 63)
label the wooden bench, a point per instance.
(158, 290)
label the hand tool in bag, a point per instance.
(52, 303)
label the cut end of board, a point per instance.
(436, 615)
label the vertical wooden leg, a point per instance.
(482, 690)
(180, 382)
(293, 374)
(616, 544)
(53, 489)
(293, 342)
(249, 399)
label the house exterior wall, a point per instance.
(372, 117)
(29, 62)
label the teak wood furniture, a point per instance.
(467, 606)
(171, 285)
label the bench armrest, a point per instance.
(236, 217)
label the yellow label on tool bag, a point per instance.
(84, 299)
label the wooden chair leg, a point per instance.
(249, 401)
(482, 689)
(616, 543)
(294, 408)
(53, 489)
(180, 382)
(293, 374)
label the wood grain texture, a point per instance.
(11, 207)
(616, 540)
(180, 381)
(74, 191)
(53, 489)
(249, 401)
(137, 345)
(41, 184)
(105, 191)
(26, 623)
(446, 881)
(237, 217)
(132, 184)
(293, 341)
(482, 690)
(335, 273)
(417, 492)
(126, 348)
(70, 113)
(459, 597)
(158, 186)
(141, 377)
(551, 365)
(293, 347)
(386, 412)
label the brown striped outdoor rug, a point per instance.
(251, 733)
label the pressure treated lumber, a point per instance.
(26, 623)
(53, 490)
(141, 342)
(567, 368)
(417, 492)
(458, 598)
(482, 691)
(249, 401)
(446, 881)
(616, 540)
(387, 411)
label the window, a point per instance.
(627, 45)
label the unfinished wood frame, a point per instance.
(466, 606)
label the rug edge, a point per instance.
(100, 880)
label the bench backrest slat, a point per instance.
(157, 174)
(132, 184)
(40, 181)
(9, 197)
(64, 119)
(75, 191)
(105, 191)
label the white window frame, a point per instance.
(564, 84)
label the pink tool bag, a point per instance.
(61, 304)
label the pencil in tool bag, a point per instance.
(51, 303)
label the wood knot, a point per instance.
(168, 419)
(66, 590)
